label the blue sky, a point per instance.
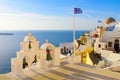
(55, 14)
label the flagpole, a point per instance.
(73, 30)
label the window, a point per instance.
(110, 44)
(105, 46)
(93, 40)
(30, 46)
(99, 45)
(116, 41)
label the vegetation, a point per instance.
(83, 40)
(88, 50)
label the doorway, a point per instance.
(116, 45)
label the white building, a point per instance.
(108, 38)
(108, 43)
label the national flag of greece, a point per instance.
(77, 11)
(99, 21)
(110, 28)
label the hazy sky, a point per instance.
(55, 14)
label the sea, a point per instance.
(10, 42)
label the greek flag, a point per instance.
(110, 28)
(99, 21)
(77, 11)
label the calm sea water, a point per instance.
(10, 44)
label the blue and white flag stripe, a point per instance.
(110, 28)
(99, 21)
(77, 11)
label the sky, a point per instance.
(55, 14)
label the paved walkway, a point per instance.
(70, 72)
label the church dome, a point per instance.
(47, 44)
(109, 20)
(29, 37)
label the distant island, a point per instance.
(6, 34)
